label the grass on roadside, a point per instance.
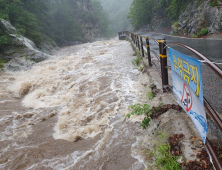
(136, 61)
(164, 160)
(149, 93)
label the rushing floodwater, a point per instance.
(68, 112)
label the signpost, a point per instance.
(188, 88)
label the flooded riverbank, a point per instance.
(69, 107)
(68, 112)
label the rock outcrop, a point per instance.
(22, 52)
(194, 18)
(160, 20)
(89, 23)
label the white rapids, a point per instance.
(89, 88)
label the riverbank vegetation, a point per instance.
(161, 151)
(2, 64)
(61, 21)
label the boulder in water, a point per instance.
(18, 64)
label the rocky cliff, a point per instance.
(160, 19)
(89, 24)
(85, 15)
(194, 18)
(21, 53)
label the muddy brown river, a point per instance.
(68, 112)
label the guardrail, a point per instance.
(162, 58)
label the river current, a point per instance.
(68, 112)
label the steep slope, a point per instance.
(194, 20)
(187, 16)
(40, 25)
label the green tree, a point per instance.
(26, 22)
(176, 7)
(141, 12)
(103, 18)
(58, 20)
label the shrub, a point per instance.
(175, 26)
(4, 40)
(139, 109)
(164, 158)
(149, 94)
(197, 35)
(136, 61)
(2, 64)
(213, 3)
(141, 67)
(203, 31)
(21, 31)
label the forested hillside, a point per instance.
(62, 21)
(187, 16)
(117, 11)
(142, 11)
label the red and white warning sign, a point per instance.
(186, 99)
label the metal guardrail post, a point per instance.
(163, 62)
(138, 42)
(135, 40)
(148, 51)
(141, 42)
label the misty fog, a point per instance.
(118, 11)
